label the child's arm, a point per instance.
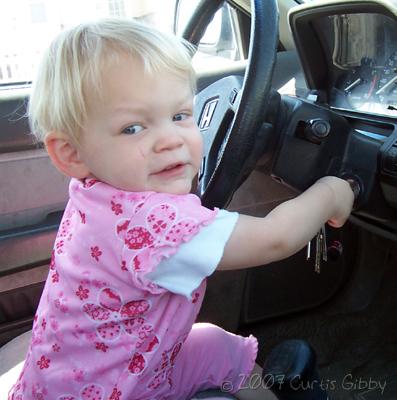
(289, 227)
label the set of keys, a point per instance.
(321, 249)
(335, 248)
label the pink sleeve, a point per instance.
(183, 272)
(157, 228)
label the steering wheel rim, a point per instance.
(221, 177)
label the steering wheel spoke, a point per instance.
(231, 112)
(215, 108)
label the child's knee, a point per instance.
(211, 338)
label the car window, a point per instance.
(221, 42)
(27, 26)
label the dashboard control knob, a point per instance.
(390, 160)
(317, 130)
(320, 128)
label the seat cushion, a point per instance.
(12, 356)
(213, 395)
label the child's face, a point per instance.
(141, 135)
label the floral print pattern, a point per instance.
(113, 317)
(92, 391)
(162, 230)
(98, 308)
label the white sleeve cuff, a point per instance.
(184, 271)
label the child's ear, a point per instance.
(65, 155)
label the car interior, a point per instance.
(315, 95)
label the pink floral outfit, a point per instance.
(126, 282)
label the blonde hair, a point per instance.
(72, 66)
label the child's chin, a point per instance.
(178, 189)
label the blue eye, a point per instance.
(133, 129)
(180, 117)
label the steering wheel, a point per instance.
(230, 112)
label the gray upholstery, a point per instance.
(12, 355)
(212, 395)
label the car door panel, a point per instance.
(31, 188)
(33, 196)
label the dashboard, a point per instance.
(363, 62)
(348, 53)
(369, 88)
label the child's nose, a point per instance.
(168, 139)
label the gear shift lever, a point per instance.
(291, 374)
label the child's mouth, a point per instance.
(172, 170)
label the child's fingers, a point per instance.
(336, 223)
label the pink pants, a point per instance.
(212, 358)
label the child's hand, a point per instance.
(344, 199)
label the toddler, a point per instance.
(113, 103)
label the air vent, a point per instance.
(389, 160)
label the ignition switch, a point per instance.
(334, 250)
